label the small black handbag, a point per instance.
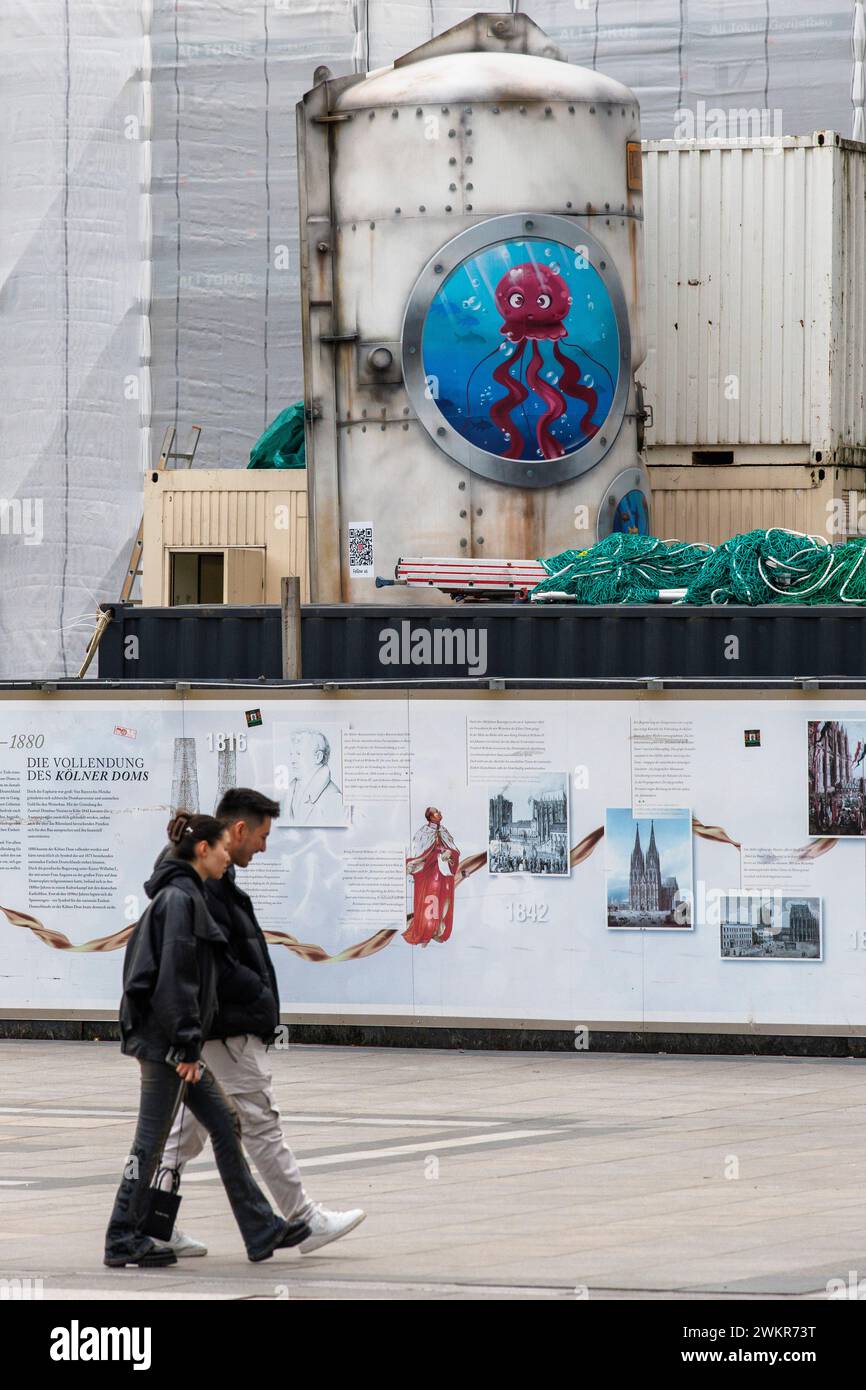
(162, 1207)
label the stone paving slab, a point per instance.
(484, 1175)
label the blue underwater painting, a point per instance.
(521, 349)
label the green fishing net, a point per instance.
(763, 566)
(620, 569)
(781, 566)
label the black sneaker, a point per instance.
(147, 1255)
(289, 1234)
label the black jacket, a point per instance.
(249, 1000)
(170, 970)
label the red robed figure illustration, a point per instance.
(433, 864)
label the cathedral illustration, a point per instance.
(646, 891)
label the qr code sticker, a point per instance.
(361, 550)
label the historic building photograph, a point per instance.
(769, 926)
(837, 777)
(648, 863)
(528, 827)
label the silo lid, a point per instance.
(481, 77)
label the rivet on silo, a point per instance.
(444, 110)
(530, 472)
(461, 486)
(603, 265)
(571, 109)
(448, 207)
(495, 110)
(604, 439)
(372, 116)
(396, 209)
(452, 160)
(413, 350)
(467, 110)
(592, 111)
(451, 134)
(438, 269)
(464, 541)
(394, 115)
(523, 110)
(469, 130)
(469, 159)
(441, 432)
(452, 187)
(418, 111)
(480, 540)
(568, 205)
(479, 511)
(469, 187)
(372, 226)
(422, 208)
(463, 511)
(529, 224)
(468, 207)
(548, 110)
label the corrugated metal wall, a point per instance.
(215, 518)
(713, 504)
(755, 294)
(847, 366)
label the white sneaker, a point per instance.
(326, 1226)
(184, 1246)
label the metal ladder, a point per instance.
(133, 568)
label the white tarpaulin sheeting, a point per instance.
(154, 282)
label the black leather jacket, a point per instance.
(248, 998)
(170, 971)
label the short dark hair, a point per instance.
(243, 803)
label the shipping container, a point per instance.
(481, 643)
(223, 535)
(714, 503)
(756, 301)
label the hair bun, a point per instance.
(178, 826)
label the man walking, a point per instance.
(236, 1053)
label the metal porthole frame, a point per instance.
(629, 480)
(525, 473)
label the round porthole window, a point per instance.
(516, 349)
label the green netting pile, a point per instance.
(781, 566)
(620, 569)
(772, 566)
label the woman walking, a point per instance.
(173, 959)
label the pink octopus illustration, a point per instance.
(533, 302)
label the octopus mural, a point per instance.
(533, 305)
(521, 350)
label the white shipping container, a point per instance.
(756, 299)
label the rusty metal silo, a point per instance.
(472, 288)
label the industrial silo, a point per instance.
(472, 289)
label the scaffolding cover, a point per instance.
(148, 226)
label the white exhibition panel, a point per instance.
(77, 850)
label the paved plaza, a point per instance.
(484, 1175)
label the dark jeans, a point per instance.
(160, 1085)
